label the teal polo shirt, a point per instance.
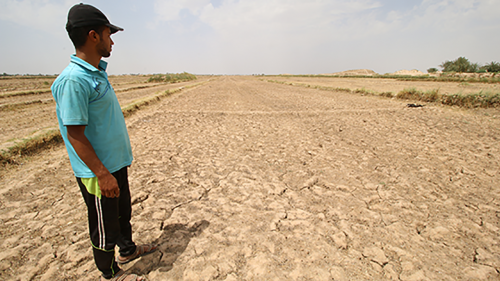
(84, 96)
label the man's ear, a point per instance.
(94, 36)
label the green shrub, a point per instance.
(461, 64)
(492, 67)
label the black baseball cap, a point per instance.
(87, 15)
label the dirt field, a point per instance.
(392, 85)
(241, 179)
(23, 116)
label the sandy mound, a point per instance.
(354, 72)
(412, 72)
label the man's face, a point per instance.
(105, 43)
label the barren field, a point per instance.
(241, 179)
(392, 85)
(23, 116)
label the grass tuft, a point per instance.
(132, 108)
(25, 93)
(477, 100)
(364, 91)
(414, 94)
(387, 94)
(30, 146)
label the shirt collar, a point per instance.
(102, 64)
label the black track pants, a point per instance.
(109, 224)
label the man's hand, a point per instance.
(109, 186)
(107, 183)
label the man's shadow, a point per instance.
(172, 243)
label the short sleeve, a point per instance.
(73, 102)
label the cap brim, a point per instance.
(114, 28)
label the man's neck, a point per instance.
(93, 59)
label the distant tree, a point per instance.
(432, 70)
(473, 67)
(448, 66)
(492, 67)
(461, 64)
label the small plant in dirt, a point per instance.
(431, 95)
(387, 94)
(414, 94)
(364, 91)
(410, 93)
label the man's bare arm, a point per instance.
(107, 183)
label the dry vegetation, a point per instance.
(462, 94)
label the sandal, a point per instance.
(124, 276)
(140, 251)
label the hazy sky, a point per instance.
(258, 36)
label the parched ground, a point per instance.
(392, 85)
(241, 179)
(25, 116)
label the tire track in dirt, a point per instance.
(240, 179)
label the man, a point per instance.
(94, 131)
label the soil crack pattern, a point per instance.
(240, 179)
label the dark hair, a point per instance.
(79, 35)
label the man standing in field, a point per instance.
(94, 131)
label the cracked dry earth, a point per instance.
(241, 179)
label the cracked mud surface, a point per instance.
(241, 179)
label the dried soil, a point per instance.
(393, 85)
(39, 114)
(240, 179)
